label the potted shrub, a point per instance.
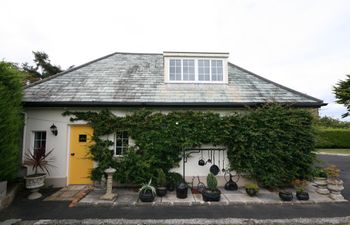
(286, 196)
(38, 159)
(301, 194)
(211, 193)
(147, 192)
(161, 184)
(252, 189)
(334, 183)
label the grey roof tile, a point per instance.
(138, 78)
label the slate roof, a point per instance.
(124, 79)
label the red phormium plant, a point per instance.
(38, 159)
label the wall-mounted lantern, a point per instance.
(53, 129)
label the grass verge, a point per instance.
(334, 151)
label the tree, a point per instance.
(43, 67)
(342, 93)
(10, 119)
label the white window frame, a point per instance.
(196, 80)
(33, 139)
(115, 146)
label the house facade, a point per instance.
(125, 82)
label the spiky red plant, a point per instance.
(38, 159)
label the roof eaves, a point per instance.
(167, 104)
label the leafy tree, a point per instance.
(10, 119)
(43, 67)
(342, 93)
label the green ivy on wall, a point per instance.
(273, 144)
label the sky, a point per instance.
(304, 45)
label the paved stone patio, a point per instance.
(68, 193)
(129, 197)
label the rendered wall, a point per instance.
(40, 119)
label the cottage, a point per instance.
(124, 82)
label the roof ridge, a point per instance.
(83, 65)
(278, 85)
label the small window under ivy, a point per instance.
(121, 142)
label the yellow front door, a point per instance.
(80, 163)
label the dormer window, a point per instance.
(195, 67)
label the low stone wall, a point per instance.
(8, 198)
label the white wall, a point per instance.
(40, 119)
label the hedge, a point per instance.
(10, 120)
(332, 138)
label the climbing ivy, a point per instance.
(273, 143)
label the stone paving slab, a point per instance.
(68, 193)
(129, 197)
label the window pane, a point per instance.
(216, 70)
(125, 142)
(203, 70)
(118, 151)
(175, 69)
(40, 141)
(82, 137)
(125, 134)
(188, 69)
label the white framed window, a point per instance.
(196, 70)
(39, 141)
(121, 143)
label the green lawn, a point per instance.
(336, 151)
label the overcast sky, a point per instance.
(304, 45)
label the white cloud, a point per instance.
(300, 44)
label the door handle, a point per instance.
(72, 154)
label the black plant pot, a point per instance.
(211, 196)
(181, 190)
(170, 187)
(303, 196)
(146, 196)
(251, 192)
(286, 196)
(231, 186)
(161, 191)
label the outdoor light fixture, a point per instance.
(53, 129)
